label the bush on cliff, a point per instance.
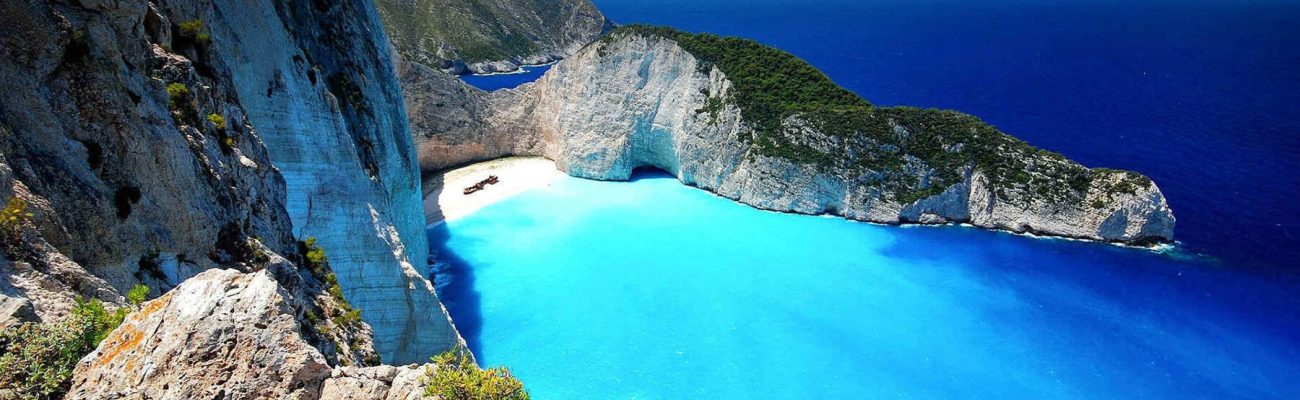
(456, 377)
(137, 295)
(15, 222)
(36, 360)
(181, 102)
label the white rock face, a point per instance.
(221, 334)
(330, 114)
(639, 102)
(231, 335)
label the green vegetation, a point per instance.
(477, 30)
(192, 31)
(15, 221)
(898, 144)
(713, 106)
(224, 138)
(36, 360)
(182, 103)
(315, 260)
(456, 377)
(137, 294)
(217, 121)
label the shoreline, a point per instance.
(520, 174)
(445, 201)
(523, 69)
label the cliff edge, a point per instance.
(758, 125)
(489, 36)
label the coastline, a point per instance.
(520, 174)
(522, 69)
(444, 199)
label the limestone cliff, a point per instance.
(156, 140)
(318, 82)
(485, 36)
(225, 334)
(639, 98)
(127, 183)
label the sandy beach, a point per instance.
(443, 193)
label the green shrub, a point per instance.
(15, 220)
(192, 31)
(36, 360)
(317, 263)
(314, 255)
(217, 121)
(137, 294)
(181, 102)
(456, 377)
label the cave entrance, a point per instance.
(650, 172)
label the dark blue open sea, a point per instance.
(649, 289)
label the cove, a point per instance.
(652, 289)
(490, 82)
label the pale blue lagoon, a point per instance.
(654, 290)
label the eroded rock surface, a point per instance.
(318, 81)
(489, 36)
(232, 335)
(155, 140)
(637, 100)
(222, 334)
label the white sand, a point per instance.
(444, 198)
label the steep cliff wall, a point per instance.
(124, 187)
(638, 98)
(318, 81)
(152, 141)
(484, 36)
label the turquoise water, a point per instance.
(653, 290)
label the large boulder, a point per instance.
(221, 334)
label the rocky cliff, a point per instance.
(152, 141)
(230, 335)
(485, 36)
(760, 126)
(318, 82)
(126, 182)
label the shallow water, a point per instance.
(651, 289)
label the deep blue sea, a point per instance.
(651, 289)
(527, 73)
(654, 290)
(1203, 96)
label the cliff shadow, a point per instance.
(453, 278)
(649, 172)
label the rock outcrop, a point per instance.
(638, 98)
(489, 36)
(126, 183)
(232, 335)
(152, 141)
